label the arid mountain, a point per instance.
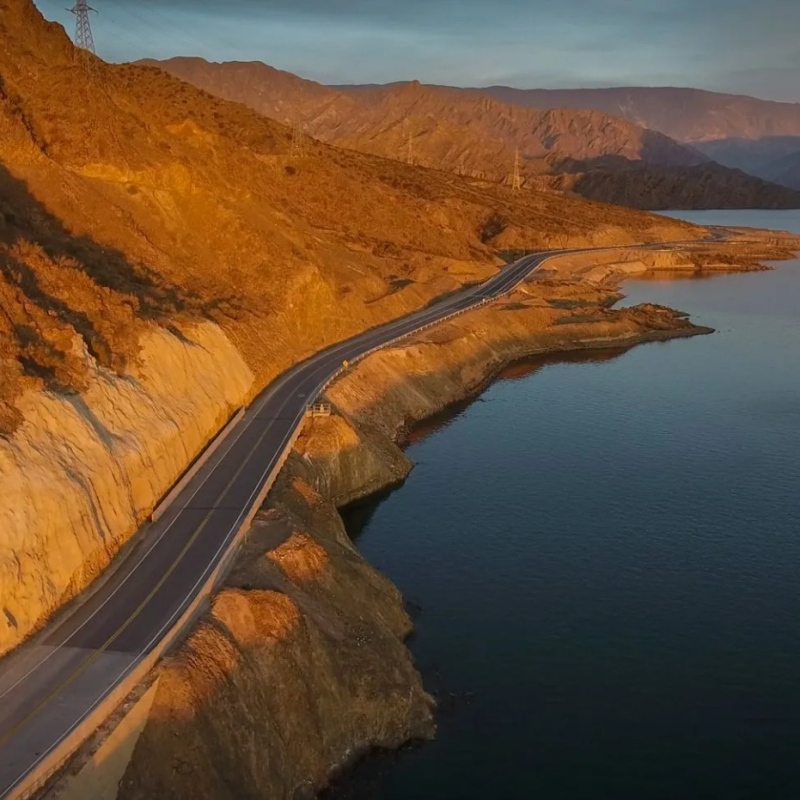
(686, 115)
(477, 136)
(272, 92)
(382, 119)
(736, 131)
(130, 201)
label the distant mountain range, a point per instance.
(735, 130)
(560, 144)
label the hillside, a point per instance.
(477, 136)
(132, 198)
(736, 131)
(446, 127)
(755, 156)
(705, 186)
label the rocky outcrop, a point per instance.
(82, 471)
(298, 669)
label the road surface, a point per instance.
(52, 685)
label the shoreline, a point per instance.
(299, 565)
(299, 553)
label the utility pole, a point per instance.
(83, 29)
(516, 179)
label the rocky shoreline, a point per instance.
(300, 667)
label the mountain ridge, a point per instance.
(480, 136)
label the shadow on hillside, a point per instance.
(43, 303)
(24, 218)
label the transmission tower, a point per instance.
(461, 168)
(83, 29)
(409, 159)
(516, 178)
(298, 140)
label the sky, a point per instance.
(739, 46)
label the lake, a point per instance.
(605, 551)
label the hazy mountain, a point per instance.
(785, 171)
(686, 115)
(752, 155)
(736, 131)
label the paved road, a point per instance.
(50, 687)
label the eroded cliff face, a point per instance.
(82, 471)
(298, 668)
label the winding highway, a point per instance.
(51, 688)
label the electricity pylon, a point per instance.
(83, 29)
(298, 140)
(516, 178)
(409, 143)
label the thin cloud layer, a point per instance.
(726, 45)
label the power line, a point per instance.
(83, 29)
(409, 142)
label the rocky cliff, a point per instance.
(83, 471)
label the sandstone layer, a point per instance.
(83, 471)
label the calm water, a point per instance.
(606, 554)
